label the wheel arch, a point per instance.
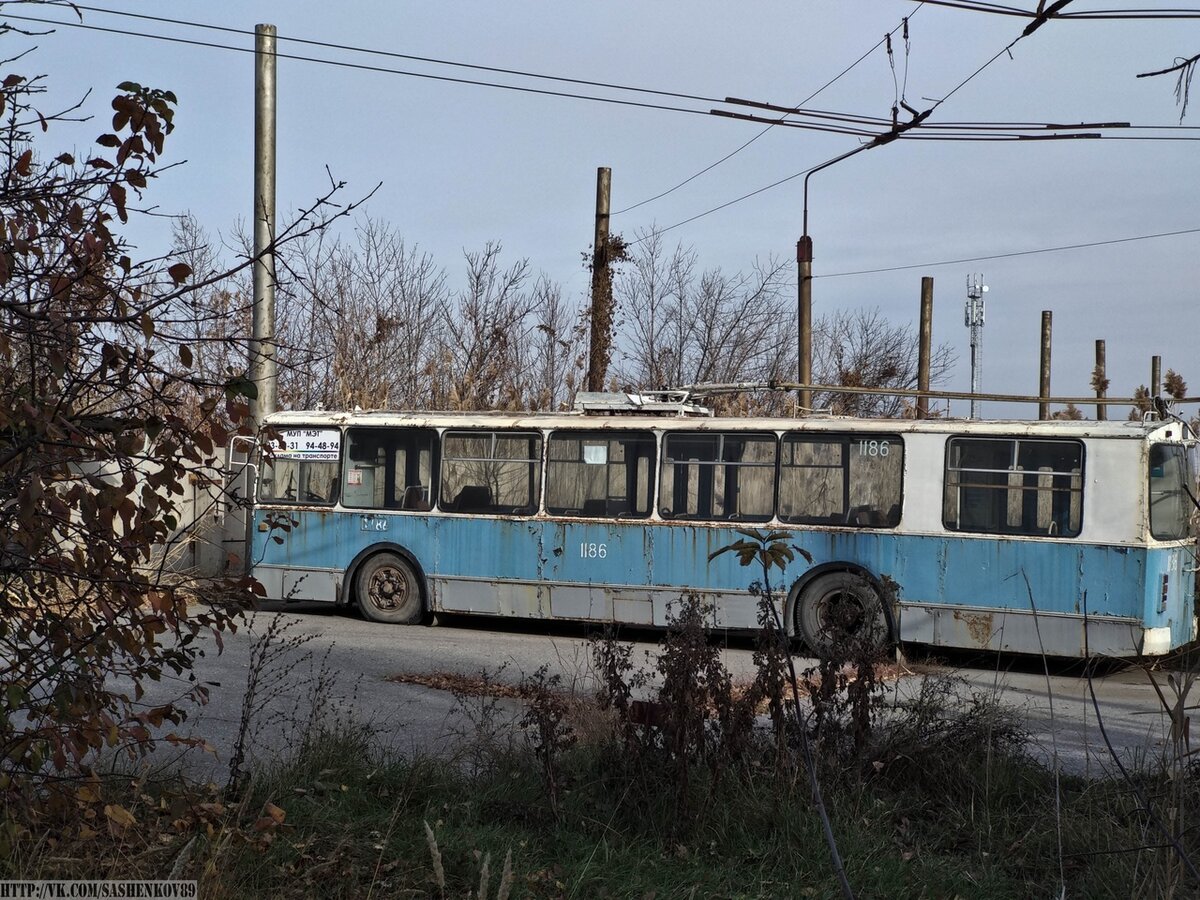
(346, 595)
(811, 575)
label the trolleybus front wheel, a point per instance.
(839, 609)
(388, 590)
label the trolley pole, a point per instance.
(262, 340)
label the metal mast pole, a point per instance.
(262, 341)
(804, 259)
(973, 316)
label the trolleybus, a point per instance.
(1051, 536)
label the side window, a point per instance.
(1170, 507)
(600, 474)
(303, 468)
(854, 480)
(391, 468)
(490, 472)
(718, 477)
(1013, 486)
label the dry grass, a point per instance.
(456, 683)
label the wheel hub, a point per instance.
(387, 589)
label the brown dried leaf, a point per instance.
(119, 816)
(117, 193)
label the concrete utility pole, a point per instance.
(973, 319)
(923, 347)
(602, 301)
(1044, 381)
(262, 340)
(804, 257)
(1155, 376)
(1101, 376)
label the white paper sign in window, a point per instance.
(595, 454)
(315, 444)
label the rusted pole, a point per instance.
(923, 348)
(1100, 378)
(1155, 376)
(602, 313)
(1044, 384)
(804, 255)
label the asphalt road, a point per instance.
(353, 660)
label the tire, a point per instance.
(388, 590)
(837, 611)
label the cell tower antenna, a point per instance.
(973, 316)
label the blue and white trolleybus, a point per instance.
(1002, 535)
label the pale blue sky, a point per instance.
(462, 165)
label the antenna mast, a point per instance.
(973, 316)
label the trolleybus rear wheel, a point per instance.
(388, 590)
(838, 608)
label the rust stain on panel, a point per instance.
(980, 626)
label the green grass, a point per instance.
(943, 803)
(357, 828)
(940, 824)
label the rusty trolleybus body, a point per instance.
(1002, 535)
